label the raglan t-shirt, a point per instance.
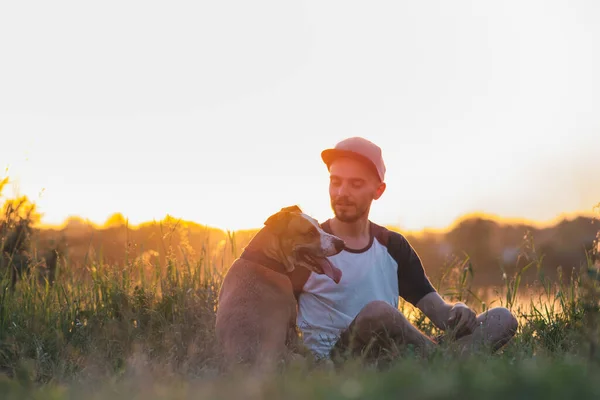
(386, 269)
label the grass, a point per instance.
(146, 331)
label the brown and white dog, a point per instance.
(256, 314)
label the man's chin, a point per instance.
(349, 219)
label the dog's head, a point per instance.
(304, 243)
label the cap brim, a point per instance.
(330, 155)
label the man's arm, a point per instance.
(436, 309)
(415, 287)
(445, 315)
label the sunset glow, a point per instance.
(218, 114)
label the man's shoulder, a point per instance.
(397, 245)
(387, 237)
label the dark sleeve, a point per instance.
(413, 283)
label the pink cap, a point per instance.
(360, 149)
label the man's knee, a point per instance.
(379, 315)
(501, 320)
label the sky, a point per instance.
(217, 112)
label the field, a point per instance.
(142, 327)
(145, 330)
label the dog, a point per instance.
(256, 314)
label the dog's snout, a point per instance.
(339, 244)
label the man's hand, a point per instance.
(462, 319)
(458, 317)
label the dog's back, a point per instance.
(257, 311)
(256, 315)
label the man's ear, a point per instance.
(379, 191)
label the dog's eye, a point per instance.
(312, 233)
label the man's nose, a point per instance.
(342, 190)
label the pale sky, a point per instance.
(216, 111)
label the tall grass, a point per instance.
(145, 329)
(95, 319)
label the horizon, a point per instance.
(119, 219)
(218, 114)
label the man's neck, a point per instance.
(356, 234)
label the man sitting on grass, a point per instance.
(378, 267)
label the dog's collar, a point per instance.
(258, 257)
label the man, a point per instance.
(378, 267)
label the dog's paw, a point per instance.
(327, 364)
(295, 357)
(296, 361)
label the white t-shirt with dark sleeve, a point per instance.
(386, 269)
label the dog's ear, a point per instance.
(293, 208)
(279, 221)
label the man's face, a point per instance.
(352, 189)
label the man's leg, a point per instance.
(379, 325)
(496, 327)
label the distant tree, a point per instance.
(115, 220)
(18, 217)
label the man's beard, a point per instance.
(345, 216)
